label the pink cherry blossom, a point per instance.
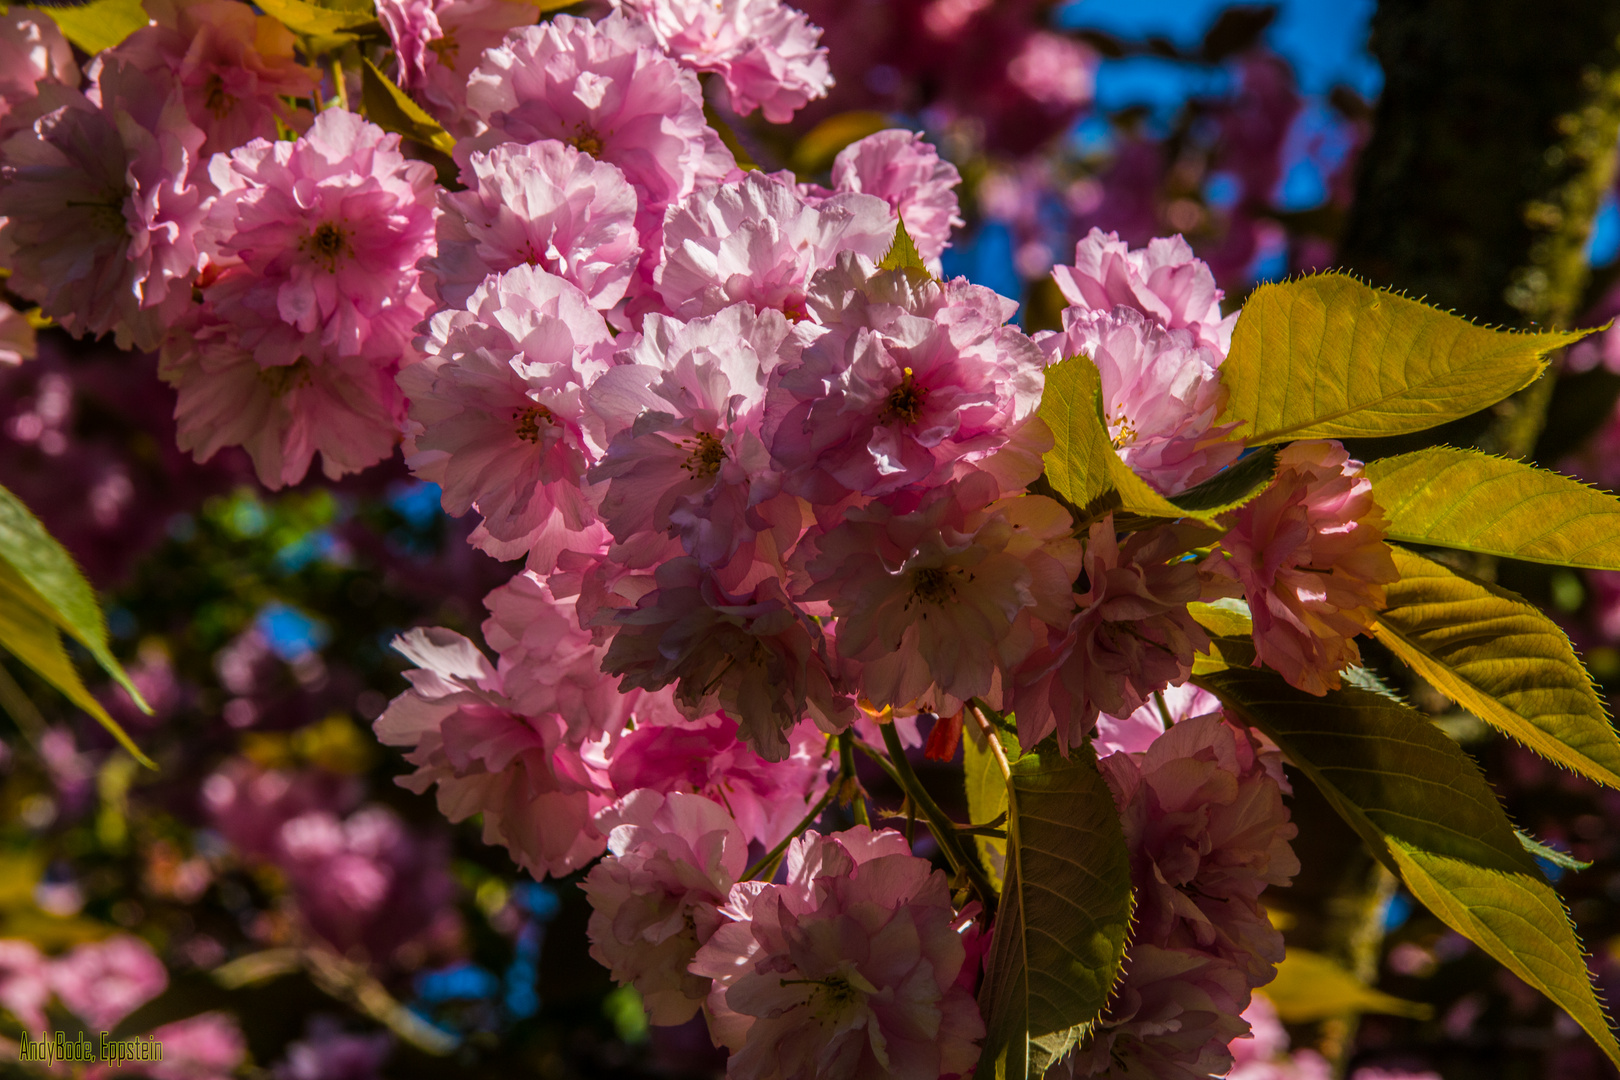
(760, 240)
(706, 757)
(497, 412)
(322, 236)
(755, 654)
(847, 970)
(1263, 1054)
(1309, 553)
(1132, 635)
(766, 52)
(100, 215)
(913, 379)
(1161, 394)
(1204, 819)
(346, 408)
(544, 204)
(1135, 732)
(1163, 281)
(234, 68)
(31, 49)
(904, 170)
(682, 414)
(1172, 1014)
(536, 790)
(604, 88)
(248, 805)
(672, 860)
(438, 43)
(104, 981)
(208, 1046)
(933, 595)
(25, 982)
(549, 665)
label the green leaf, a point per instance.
(1464, 499)
(1063, 918)
(902, 254)
(987, 794)
(1326, 357)
(1232, 487)
(1558, 858)
(101, 25)
(391, 109)
(1495, 654)
(332, 24)
(816, 150)
(729, 137)
(1424, 808)
(28, 632)
(1311, 987)
(1082, 466)
(66, 598)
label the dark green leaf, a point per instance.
(1423, 807)
(1063, 918)
(1558, 858)
(1234, 486)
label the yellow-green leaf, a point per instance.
(1063, 918)
(391, 109)
(28, 632)
(100, 25)
(816, 150)
(1495, 654)
(1082, 466)
(334, 23)
(1425, 810)
(1311, 987)
(63, 594)
(1326, 357)
(986, 797)
(902, 254)
(1464, 499)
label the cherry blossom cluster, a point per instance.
(775, 486)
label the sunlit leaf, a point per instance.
(987, 796)
(100, 25)
(816, 150)
(40, 581)
(1464, 499)
(902, 254)
(391, 109)
(334, 23)
(1063, 918)
(28, 632)
(1328, 357)
(1495, 654)
(1425, 810)
(1311, 987)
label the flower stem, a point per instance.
(944, 830)
(768, 862)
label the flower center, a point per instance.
(447, 48)
(285, 377)
(587, 141)
(215, 99)
(906, 400)
(933, 585)
(1124, 431)
(831, 998)
(327, 244)
(706, 456)
(529, 420)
